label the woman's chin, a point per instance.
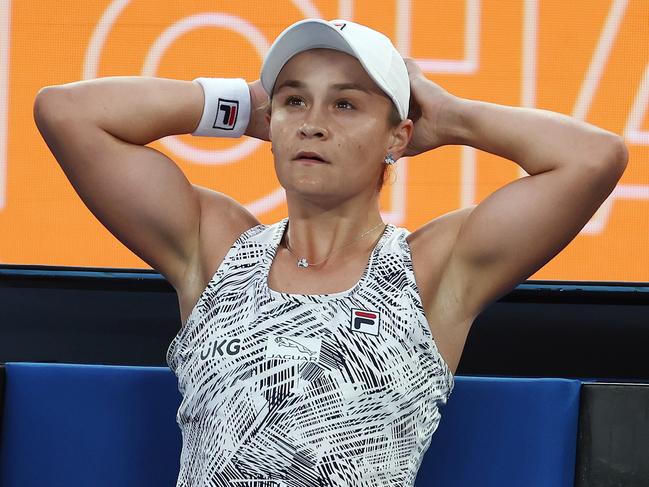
(308, 185)
(314, 190)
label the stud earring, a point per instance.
(389, 159)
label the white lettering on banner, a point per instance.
(467, 65)
(346, 9)
(633, 130)
(5, 35)
(528, 74)
(599, 59)
(471, 62)
(597, 223)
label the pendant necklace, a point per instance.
(302, 262)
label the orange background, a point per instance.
(587, 58)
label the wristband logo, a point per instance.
(230, 109)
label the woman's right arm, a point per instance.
(97, 130)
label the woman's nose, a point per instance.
(309, 129)
(313, 124)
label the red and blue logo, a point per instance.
(365, 321)
(226, 114)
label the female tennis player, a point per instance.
(315, 351)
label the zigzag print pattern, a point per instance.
(290, 390)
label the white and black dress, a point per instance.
(307, 390)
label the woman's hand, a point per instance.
(429, 107)
(257, 126)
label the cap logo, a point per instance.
(340, 26)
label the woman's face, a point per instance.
(324, 102)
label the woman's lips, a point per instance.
(309, 156)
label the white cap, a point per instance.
(374, 50)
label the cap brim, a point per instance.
(304, 35)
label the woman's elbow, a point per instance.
(53, 106)
(610, 155)
(617, 155)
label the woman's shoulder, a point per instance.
(432, 243)
(445, 227)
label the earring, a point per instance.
(389, 159)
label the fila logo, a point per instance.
(339, 25)
(365, 321)
(226, 114)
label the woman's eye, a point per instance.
(291, 99)
(346, 104)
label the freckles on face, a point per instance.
(324, 101)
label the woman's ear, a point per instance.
(267, 117)
(400, 137)
(270, 133)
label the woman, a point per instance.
(308, 357)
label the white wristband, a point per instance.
(226, 112)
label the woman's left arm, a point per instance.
(573, 167)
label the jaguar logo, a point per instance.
(301, 349)
(290, 343)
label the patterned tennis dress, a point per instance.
(299, 390)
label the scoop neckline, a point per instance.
(269, 256)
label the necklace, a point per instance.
(303, 262)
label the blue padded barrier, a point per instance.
(502, 432)
(77, 425)
(89, 425)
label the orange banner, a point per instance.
(585, 58)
